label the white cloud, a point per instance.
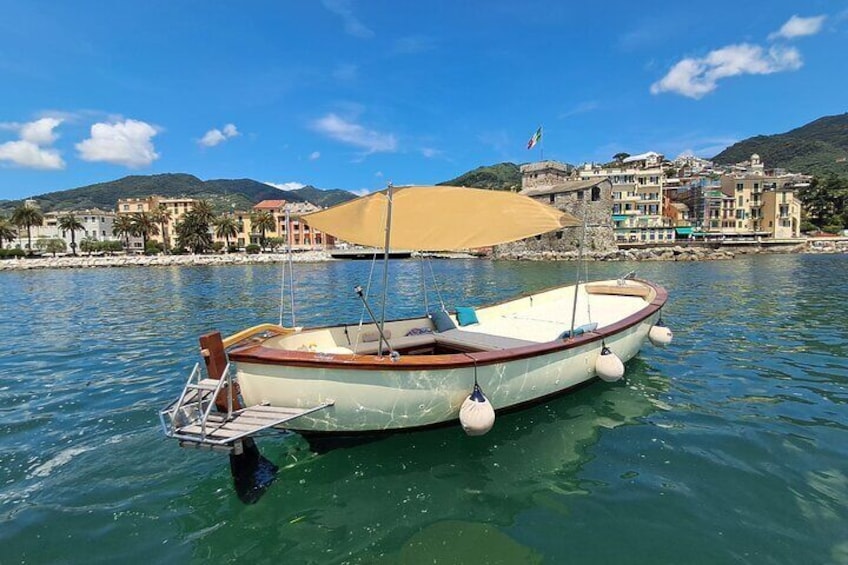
(29, 155)
(696, 77)
(352, 24)
(429, 152)
(354, 134)
(315, 155)
(128, 143)
(285, 185)
(32, 150)
(40, 132)
(796, 26)
(215, 136)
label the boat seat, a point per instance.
(620, 290)
(370, 347)
(479, 341)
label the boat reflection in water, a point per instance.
(407, 490)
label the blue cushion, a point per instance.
(442, 321)
(466, 316)
(579, 330)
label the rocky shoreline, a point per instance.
(85, 262)
(676, 253)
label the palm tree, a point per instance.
(26, 216)
(69, 222)
(6, 231)
(226, 226)
(123, 227)
(163, 216)
(203, 211)
(193, 233)
(263, 221)
(144, 225)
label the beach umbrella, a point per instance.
(439, 218)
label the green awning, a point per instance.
(618, 217)
(684, 230)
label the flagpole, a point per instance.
(542, 145)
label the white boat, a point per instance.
(437, 369)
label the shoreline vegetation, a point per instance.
(675, 253)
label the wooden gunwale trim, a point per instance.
(257, 354)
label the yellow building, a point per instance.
(296, 232)
(764, 204)
(175, 208)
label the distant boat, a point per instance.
(442, 367)
(368, 253)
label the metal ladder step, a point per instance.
(205, 384)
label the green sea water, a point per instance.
(729, 446)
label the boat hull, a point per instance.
(386, 395)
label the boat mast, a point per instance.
(389, 196)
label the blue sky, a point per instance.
(353, 94)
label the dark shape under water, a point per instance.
(252, 472)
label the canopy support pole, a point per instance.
(579, 264)
(389, 196)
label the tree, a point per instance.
(226, 226)
(263, 221)
(26, 216)
(620, 157)
(70, 223)
(6, 231)
(825, 201)
(144, 225)
(203, 210)
(193, 232)
(52, 245)
(123, 227)
(88, 244)
(162, 216)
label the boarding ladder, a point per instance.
(193, 420)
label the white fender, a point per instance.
(660, 335)
(476, 415)
(608, 366)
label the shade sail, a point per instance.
(440, 218)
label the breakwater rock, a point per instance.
(84, 262)
(676, 253)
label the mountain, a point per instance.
(323, 198)
(818, 148)
(503, 176)
(223, 194)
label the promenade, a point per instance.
(666, 253)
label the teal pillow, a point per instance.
(579, 330)
(466, 316)
(442, 321)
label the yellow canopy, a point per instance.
(439, 218)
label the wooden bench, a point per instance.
(621, 290)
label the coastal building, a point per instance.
(765, 203)
(97, 226)
(589, 200)
(173, 210)
(295, 232)
(638, 182)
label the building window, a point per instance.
(552, 198)
(579, 195)
(596, 193)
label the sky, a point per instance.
(354, 94)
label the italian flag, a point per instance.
(535, 139)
